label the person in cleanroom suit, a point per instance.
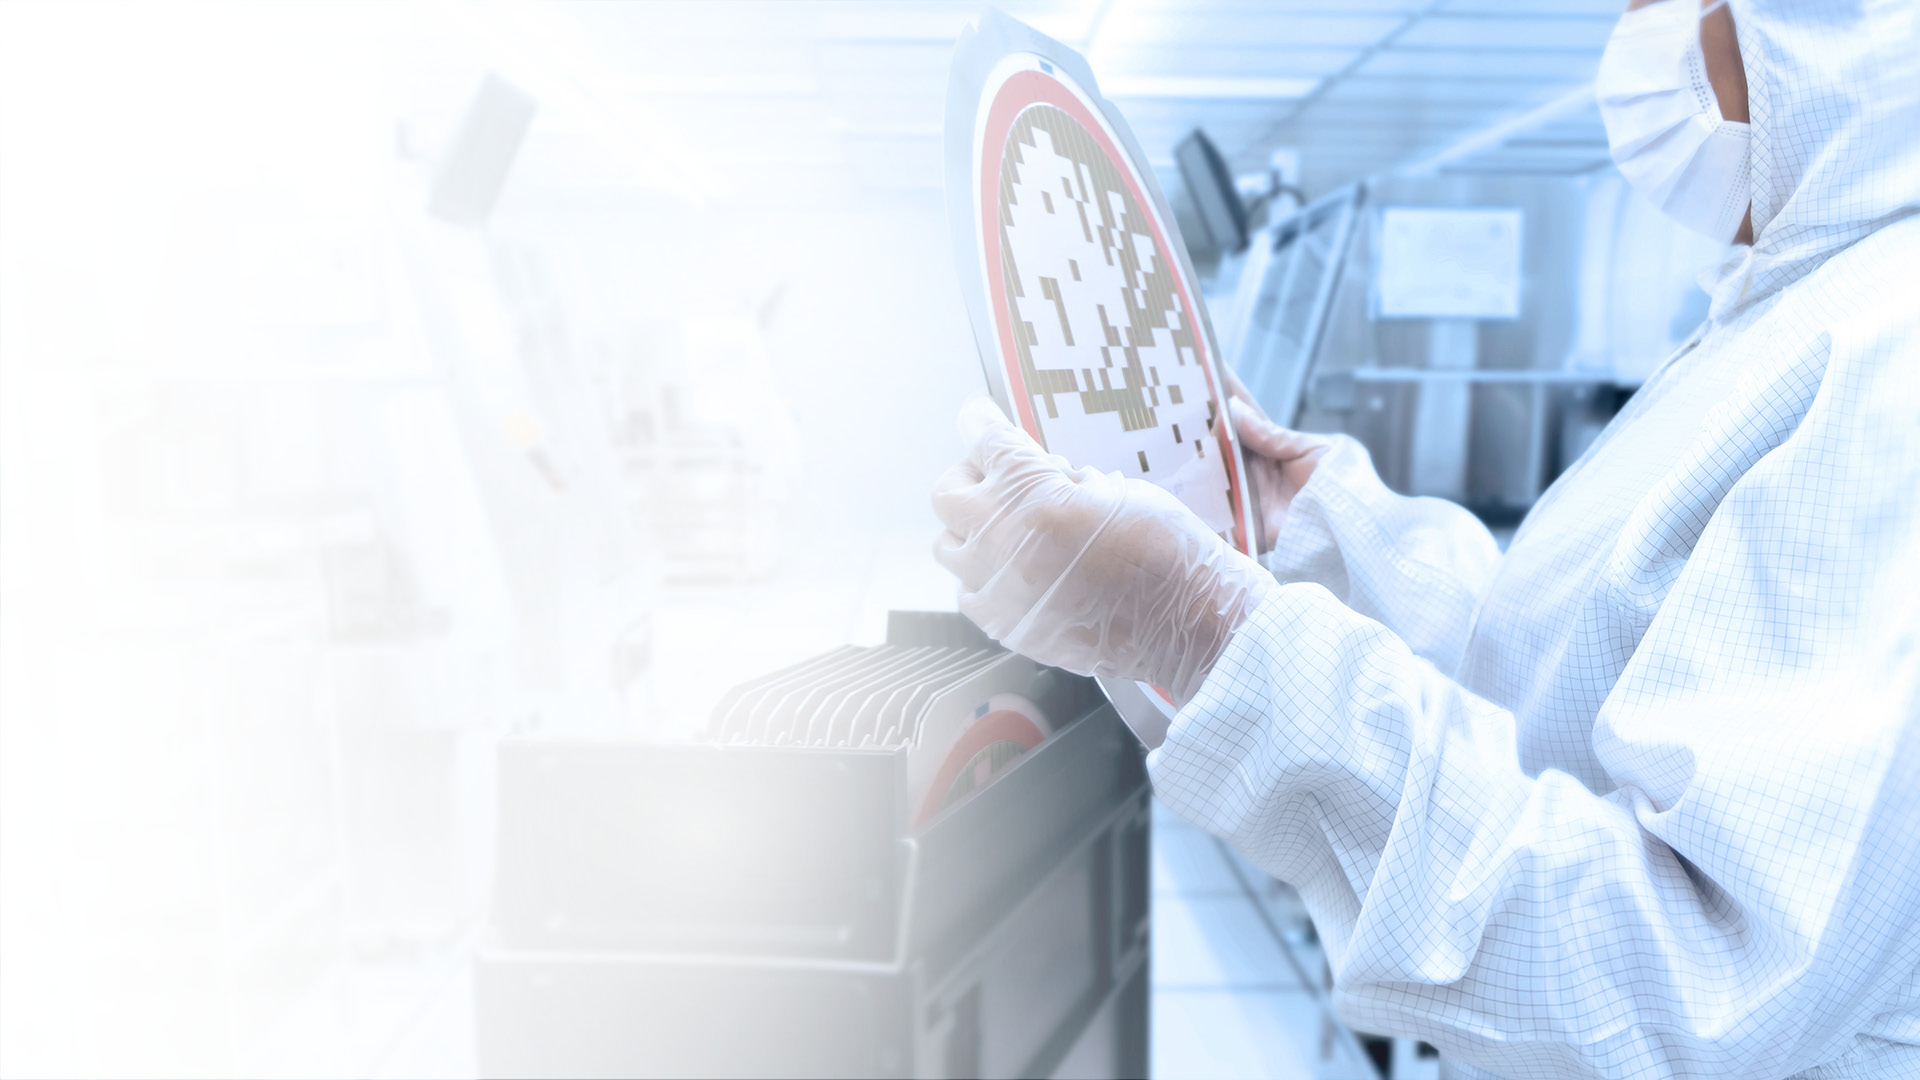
(1641, 796)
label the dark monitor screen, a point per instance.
(1214, 197)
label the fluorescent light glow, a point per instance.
(1492, 136)
(902, 24)
(547, 54)
(648, 84)
(1200, 88)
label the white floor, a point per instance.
(1237, 980)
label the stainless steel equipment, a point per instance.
(1287, 289)
(1485, 411)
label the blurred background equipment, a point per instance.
(384, 384)
(1439, 321)
(474, 169)
(804, 914)
(1274, 319)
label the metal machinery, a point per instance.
(764, 908)
(1274, 325)
(1484, 411)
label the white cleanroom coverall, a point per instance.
(1640, 797)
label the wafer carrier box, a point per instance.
(769, 907)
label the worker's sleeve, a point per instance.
(1419, 566)
(1746, 902)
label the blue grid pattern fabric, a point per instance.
(1640, 797)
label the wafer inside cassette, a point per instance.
(959, 715)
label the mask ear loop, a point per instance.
(1713, 7)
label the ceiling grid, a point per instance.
(850, 93)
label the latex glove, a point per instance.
(1088, 571)
(1279, 461)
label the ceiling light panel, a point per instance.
(942, 20)
(1157, 114)
(1327, 118)
(1557, 64)
(1289, 8)
(911, 70)
(1205, 26)
(890, 22)
(634, 34)
(1464, 91)
(1501, 32)
(1207, 88)
(1511, 163)
(1609, 9)
(898, 163)
(872, 75)
(725, 131)
(1149, 59)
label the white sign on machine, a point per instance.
(1449, 263)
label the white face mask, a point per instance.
(1663, 122)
